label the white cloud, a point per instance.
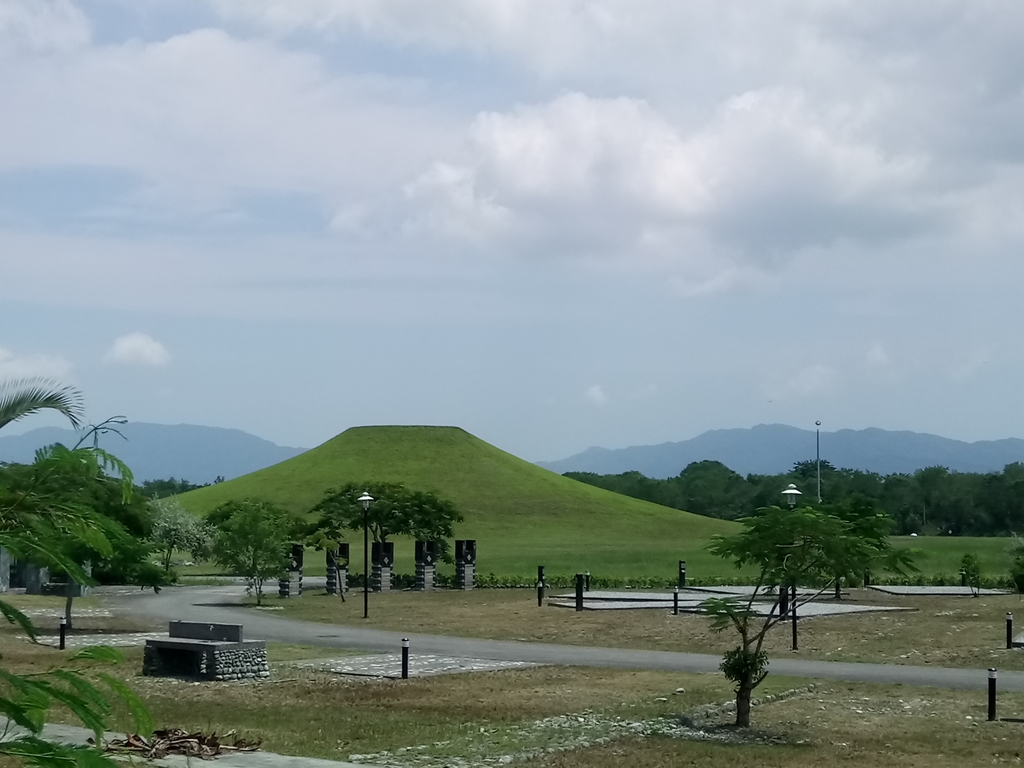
(41, 25)
(595, 395)
(14, 366)
(200, 120)
(138, 348)
(580, 175)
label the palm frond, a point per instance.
(22, 397)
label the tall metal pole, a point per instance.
(817, 454)
(366, 558)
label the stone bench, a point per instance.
(207, 652)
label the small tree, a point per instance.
(1017, 564)
(788, 547)
(251, 540)
(970, 567)
(872, 528)
(396, 510)
(174, 527)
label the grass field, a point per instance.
(936, 556)
(564, 717)
(521, 515)
(942, 631)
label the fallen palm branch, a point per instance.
(174, 741)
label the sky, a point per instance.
(556, 224)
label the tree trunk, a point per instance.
(743, 706)
(839, 589)
(69, 592)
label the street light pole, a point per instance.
(365, 500)
(817, 455)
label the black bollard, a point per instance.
(792, 610)
(963, 578)
(586, 581)
(405, 658)
(991, 694)
(579, 591)
(540, 594)
(682, 574)
(63, 632)
(783, 601)
(675, 601)
(867, 578)
(1009, 630)
(540, 573)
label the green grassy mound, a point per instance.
(521, 515)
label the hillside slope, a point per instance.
(521, 515)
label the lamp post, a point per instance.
(817, 455)
(791, 495)
(365, 500)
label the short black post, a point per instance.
(586, 581)
(579, 591)
(792, 610)
(405, 658)
(991, 694)
(783, 601)
(682, 574)
(540, 594)
(540, 573)
(1009, 630)
(963, 578)
(675, 601)
(867, 578)
(63, 632)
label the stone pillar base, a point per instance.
(425, 577)
(380, 579)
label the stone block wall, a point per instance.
(241, 663)
(207, 661)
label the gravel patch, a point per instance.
(420, 665)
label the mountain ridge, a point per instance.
(192, 452)
(774, 448)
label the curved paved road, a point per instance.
(220, 604)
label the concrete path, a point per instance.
(73, 735)
(212, 604)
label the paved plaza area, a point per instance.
(932, 591)
(690, 601)
(86, 639)
(390, 665)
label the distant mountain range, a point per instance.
(773, 448)
(154, 451)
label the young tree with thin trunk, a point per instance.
(788, 547)
(252, 541)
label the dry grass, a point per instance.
(477, 717)
(945, 631)
(853, 726)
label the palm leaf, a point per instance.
(23, 397)
(14, 616)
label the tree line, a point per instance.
(933, 500)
